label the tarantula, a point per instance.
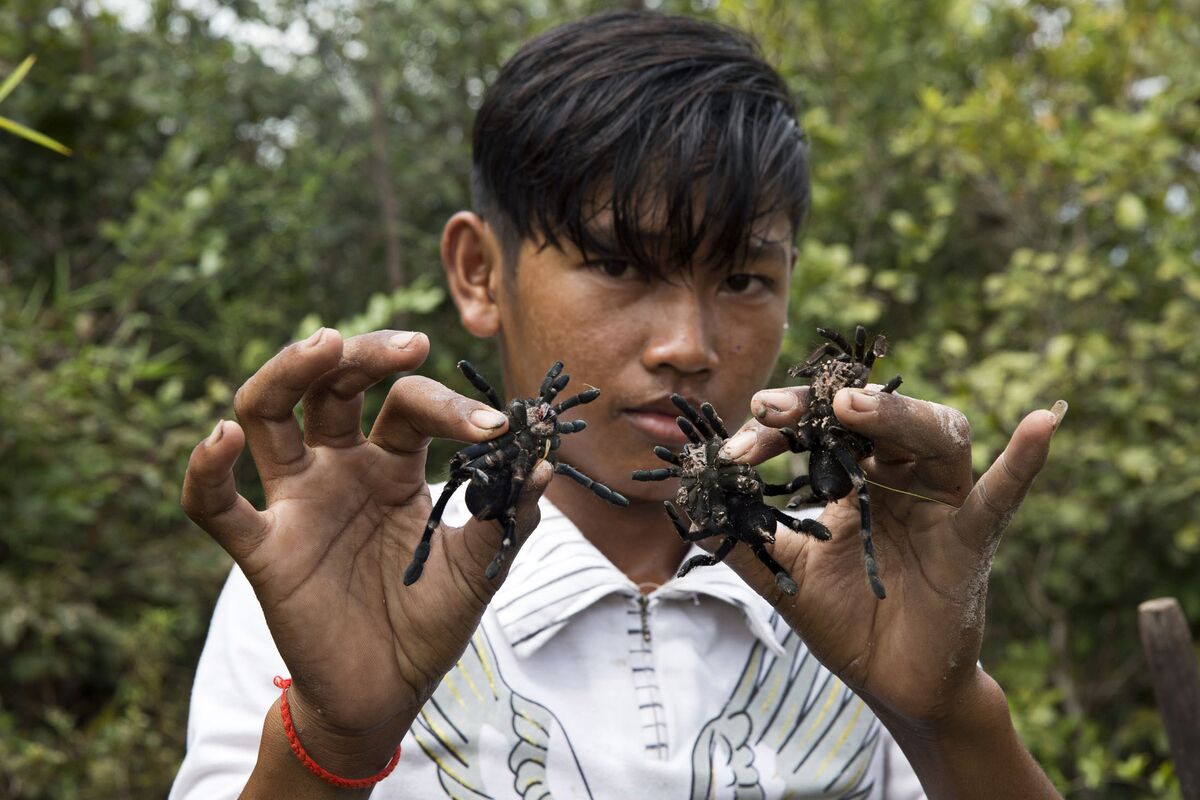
(497, 469)
(723, 498)
(834, 451)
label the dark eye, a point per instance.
(612, 267)
(742, 282)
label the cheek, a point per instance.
(751, 341)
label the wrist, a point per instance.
(977, 708)
(345, 753)
(971, 751)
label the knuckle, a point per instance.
(191, 504)
(242, 402)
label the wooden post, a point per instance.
(1167, 644)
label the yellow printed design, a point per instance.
(475, 722)
(789, 730)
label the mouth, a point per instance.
(655, 422)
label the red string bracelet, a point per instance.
(314, 767)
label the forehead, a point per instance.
(655, 233)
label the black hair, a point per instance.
(639, 114)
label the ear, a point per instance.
(473, 261)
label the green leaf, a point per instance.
(18, 75)
(33, 136)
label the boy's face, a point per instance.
(711, 336)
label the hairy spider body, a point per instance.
(723, 498)
(834, 451)
(497, 469)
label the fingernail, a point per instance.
(487, 419)
(863, 400)
(738, 445)
(775, 401)
(402, 340)
(316, 337)
(1059, 410)
(216, 434)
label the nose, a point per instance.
(682, 333)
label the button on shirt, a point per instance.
(577, 685)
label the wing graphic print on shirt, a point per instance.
(490, 742)
(790, 729)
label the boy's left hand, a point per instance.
(913, 655)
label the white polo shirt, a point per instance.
(576, 685)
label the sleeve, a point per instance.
(899, 780)
(230, 697)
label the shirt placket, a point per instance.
(651, 713)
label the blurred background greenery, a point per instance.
(1009, 189)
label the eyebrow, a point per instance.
(758, 248)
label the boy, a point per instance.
(638, 183)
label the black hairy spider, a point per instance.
(834, 451)
(497, 469)
(723, 498)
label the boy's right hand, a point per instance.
(344, 514)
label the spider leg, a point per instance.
(689, 430)
(810, 526)
(556, 386)
(864, 509)
(837, 339)
(495, 458)
(794, 443)
(707, 560)
(605, 493)
(472, 452)
(666, 455)
(657, 474)
(739, 481)
(573, 426)
(551, 374)
(782, 579)
(586, 396)
(421, 554)
(860, 343)
(807, 369)
(795, 485)
(878, 349)
(892, 385)
(509, 521)
(481, 385)
(714, 420)
(676, 521)
(692, 415)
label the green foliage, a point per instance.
(16, 128)
(1009, 190)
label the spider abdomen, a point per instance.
(829, 479)
(489, 500)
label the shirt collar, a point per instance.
(558, 573)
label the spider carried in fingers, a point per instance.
(497, 469)
(834, 451)
(723, 498)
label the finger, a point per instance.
(754, 443)
(998, 494)
(333, 403)
(934, 438)
(210, 496)
(484, 539)
(760, 439)
(265, 404)
(780, 407)
(419, 408)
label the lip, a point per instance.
(655, 427)
(655, 421)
